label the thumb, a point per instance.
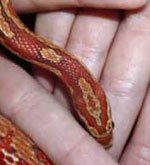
(43, 5)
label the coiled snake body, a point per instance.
(89, 100)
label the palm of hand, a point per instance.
(89, 34)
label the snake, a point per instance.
(88, 98)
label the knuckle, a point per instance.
(122, 88)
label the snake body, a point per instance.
(89, 99)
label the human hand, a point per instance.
(32, 107)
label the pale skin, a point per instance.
(38, 106)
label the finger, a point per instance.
(137, 151)
(126, 75)
(36, 112)
(91, 44)
(40, 5)
(58, 25)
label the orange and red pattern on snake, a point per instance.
(17, 149)
(89, 99)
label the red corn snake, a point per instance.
(89, 100)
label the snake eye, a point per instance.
(113, 124)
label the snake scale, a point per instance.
(88, 98)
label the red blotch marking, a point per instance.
(1, 155)
(2, 162)
(22, 162)
(10, 159)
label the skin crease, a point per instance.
(121, 79)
